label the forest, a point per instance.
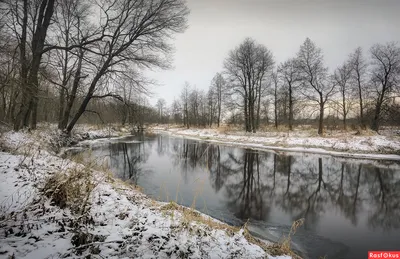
(71, 61)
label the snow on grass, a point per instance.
(120, 221)
(16, 189)
(337, 144)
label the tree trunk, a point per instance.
(376, 120)
(276, 109)
(362, 122)
(20, 118)
(321, 116)
(219, 112)
(253, 119)
(34, 86)
(78, 114)
(61, 108)
(187, 117)
(72, 96)
(290, 108)
(246, 116)
(35, 102)
(259, 105)
(63, 86)
(13, 103)
(27, 114)
(38, 39)
(344, 109)
(88, 97)
(30, 87)
(377, 117)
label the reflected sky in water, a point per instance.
(349, 206)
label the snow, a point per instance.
(15, 190)
(348, 145)
(122, 222)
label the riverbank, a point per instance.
(341, 144)
(53, 207)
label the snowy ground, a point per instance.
(340, 144)
(120, 221)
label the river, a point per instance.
(349, 206)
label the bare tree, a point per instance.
(385, 76)
(194, 104)
(247, 67)
(161, 105)
(359, 68)
(211, 105)
(342, 77)
(185, 103)
(275, 80)
(134, 35)
(29, 22)
(289, 74)
(218, 85)
(176, 110)
(265, 67)
(67, 63)
(313, 73)
(9, 76)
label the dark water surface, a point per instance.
(349, 206)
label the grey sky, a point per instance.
(217, 26)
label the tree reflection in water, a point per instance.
(385, 191)
(127, 160)
(245, 196)
(301, 185)
(267, 186)
(252, 181)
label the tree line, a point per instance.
(253, 90)
(66, 61)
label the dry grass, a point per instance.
(251, 239)
(225, 129)
(70, 189)
(170, 206)
(365, 132)
(190, 215)
(284, 246)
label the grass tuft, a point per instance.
(251, 239)
(70, 189)
(284, 246)
(190, 215)
(170, 206)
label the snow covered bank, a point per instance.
(108, 220)
(337, 144)
(49, 139)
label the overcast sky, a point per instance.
(217, 26)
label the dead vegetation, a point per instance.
(190, 215)
(284, 246)
(251, 239)
(71, 189)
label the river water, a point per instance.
(349, 206)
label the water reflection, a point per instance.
(127, 160)
(353, 202)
